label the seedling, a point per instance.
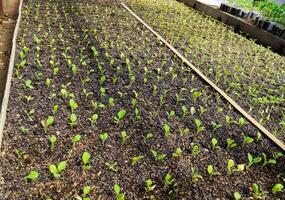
(178, 152)
(56, 170)
(23, 129)
(257, 193)
(48, 82)
(247, 140)
(33, 175)
(52, 140)
(184, 111)
(138, 114)
(124, 136)
(73, 120)
(231, 143)
(212, 172)
(168, 181)
(111, 101)
(199, 125)
(113, 166)
(267, 161)
(252, 160)
(73, 105)
(75, 139)
(117, 190)
(149, 185)
(241, 121)
(19, 153)
(28, 84)
(195, 149)
(86, 159)
(136, 159)
(103, 137)
(195, 175)
(170, 114)
(29, 98)
(86, 191)
(166, 129)
(30, 114)
(46, 123)
(93, 119)
(149, 136)
(54, 109)
(277, 188)
(184, 131)
(120, 115)
(237, 196)
(215, 125)
(86, 94)
(157, 157)
(230, 166)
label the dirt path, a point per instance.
(6, 34)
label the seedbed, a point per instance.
(146, 121)
(249, 73)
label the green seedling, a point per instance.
(46, 123)
(64, 93)
(30, 114)
(73, 120)
(117, 190)
(134, 103)
(216, 126)
(241, 121)
(199, 126)
(103, 137)
(149, 185)
(184, 131)
(170, 114)
(120, 115)
(237, 196)
(196, 94)
(124, 136)
(86, 159)
(48, 82)
(166, 129)
(86, 192)
(138, 114)
(33, 175)
(29, 98)
(212, 172)
(157, 157)
(252, 160)
(54, 109)
(267, 161)
(95, 52)
(56, 170)
(214, 143)
(113, 166)
(168, 181)
(28, 84)
(277, 188)
(257, 193)
(230, 166)
(195, 175)
(247, 140)
(19, 153)
(75, 139)
(136, 159)
(93, 119)
(149, 136)
(178, 152)
(195, 149)
(185, 111)
(52, 140)
(73, 105)
(111, 101)
(231, 143)
(229, 120)
(23, 129)
(86, 94)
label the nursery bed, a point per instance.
(251, 74)
(95, 51)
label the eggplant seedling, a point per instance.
(113, 166)
(52, 140)
(247, 140)
(231, 143)
(86, 159)
(237, 196)
(149, 185)
(230, 166)
(46, 123)
(178, 152)
(166, 129)
(136, 159)
(28, 84)
(257, 193)
(212, 172)
(56, 170)
(277, 188)
(168, 181)
(199, 126)
(214, 143)
(93, 119)
(157, 157)
(267, 161)
(124, 136)
(75, 139)
(33, 175)
(252, 160)
(103, 137)
(86, 192)
(120, 115)
(73, 105)
(73, 120)
(55, 109)
(117, 190)
(195, 175)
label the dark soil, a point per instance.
(118, 37)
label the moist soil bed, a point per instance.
(105, 56)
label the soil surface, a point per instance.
(97, 54)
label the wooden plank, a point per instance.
(212, 84)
